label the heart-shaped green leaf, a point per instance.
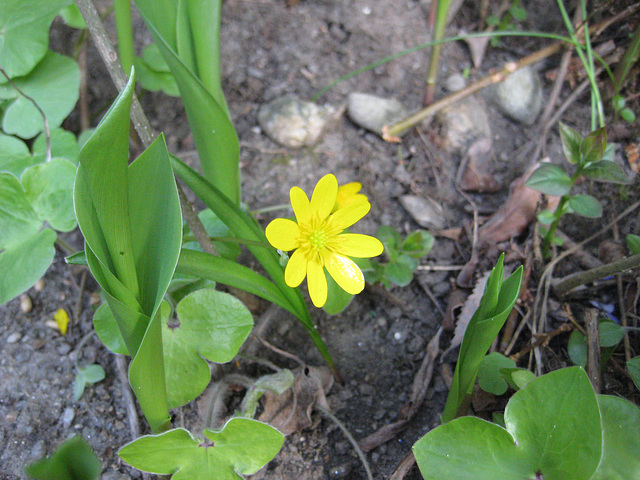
(242, 447)
(24, 33)
(550, 179)
(490, 378)
(53, 84)
(211, 325)
(49, 189)
(15, 157)
(63, 144)
(621, 448)
(552, 431)
(24, 263)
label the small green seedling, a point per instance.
(621, 110)
(403, 255)
(593, 160)
(514, 14)
(86, 375)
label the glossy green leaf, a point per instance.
(187, 34)
(24, 38)
(585, 206)
(15, 157)
(233, 274)
(633, 242)
(610, 333)
(49, 190)
(337, 298)
(71, 16)
(546, 217)
(556, 420)
(106, 327)
(24, 263)
(552, 432)
(242, 447)
(606, 171)
(18, 220)
(517, 377)
(154, 73)
(86, 375)
(216, 228)
(211, 325)
(550, 179)
(53, 84)
(593, 146)
(628, 115)
(633, 366)
(571, 141)
(398, 273)
(391, 240)
(490, 377)
(621, 448)
(63, 144)
(577, 348)
(496, 304)
(73, 460)
(417, 244)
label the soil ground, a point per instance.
(378, 342)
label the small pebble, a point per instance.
(340, 471)
(67, 417)
(455, 83)
(26, 304)
(14, 337)
(63, 348)
(39, 285)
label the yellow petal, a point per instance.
(345, 273)
(62, 320)
(317, 283)
(300, 204)
(346, 216)
(324, 196)
(296, 269)
(348, 193)
(357, 245)
(283, 234)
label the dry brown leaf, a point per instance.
(291, 410)
(516, 213)
(476, 176)
(468, 309)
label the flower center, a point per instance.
(318, 239)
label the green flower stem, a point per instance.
(587, 62)
(124, 30)
(570, 282)
(434, 60)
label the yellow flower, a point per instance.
(318, 241)
(348, 193)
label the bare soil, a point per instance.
(378, 342)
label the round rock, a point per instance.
(372, 113)
(520, 96)
(295, 123)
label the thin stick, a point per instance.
(593, 348)
(392, 133)
(575, 280)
